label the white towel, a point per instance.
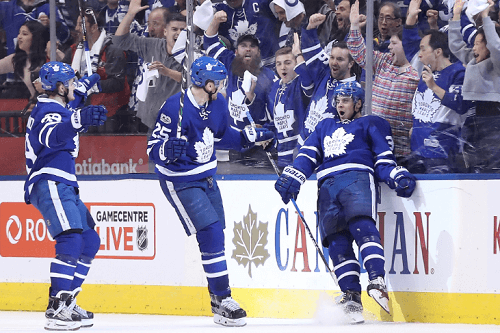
(203, 15)
(291, 9)
(247, 81)
(148, 78)
(474, 7)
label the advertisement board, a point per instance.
(442, 244)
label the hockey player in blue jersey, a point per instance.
(349, 154)
(186, 166)
(51, 186)
(327, 70)
(288, 100)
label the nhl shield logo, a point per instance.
(142, 238)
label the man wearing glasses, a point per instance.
(389, 23)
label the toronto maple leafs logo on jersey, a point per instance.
(336, 144)
(205, 149)
(283, 120)
(242, 28)
(237, 109)
(317, 113)
(425, 105)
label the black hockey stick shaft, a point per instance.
(273, 163)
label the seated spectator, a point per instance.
(482, 85)
(27, 60)
(109, 61)
(15, 13)
(394, 84)
(438, 109)
(288, 100)
(250, 17)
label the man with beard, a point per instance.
(250, 17)
(248, 85)
(156, 51)
(327, 72)
(245, 58)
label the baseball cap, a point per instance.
(251, 38)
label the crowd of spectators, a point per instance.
(436, 67)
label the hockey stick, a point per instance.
(187, 60)
(273, 163)
(85, 41)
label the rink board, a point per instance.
(442, 250)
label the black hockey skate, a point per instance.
(86, 316)
(378, 291)
(227, 311)
(350, 301)
(59, 315)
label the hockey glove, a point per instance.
(288, 184)
(402, 181)
(85, 84)
(172, 149)
(92, 115)
(83, 89)
(257, 135)
(271, 146)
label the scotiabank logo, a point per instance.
(127, 231)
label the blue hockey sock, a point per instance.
(211, 243)
(345, 265)
(63, 266)
(367, 237)
(91, 243)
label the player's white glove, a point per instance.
(257, 135)
(92, 115)
(402, 181)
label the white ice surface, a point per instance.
(104, 323)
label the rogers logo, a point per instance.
(14, 219)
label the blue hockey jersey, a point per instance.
(288, 103)
(253, 17)
(13, 16)
(204, 127)
(235, 93)
(322, 104)
(363, 144)
(437, 123)
(51, 145)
